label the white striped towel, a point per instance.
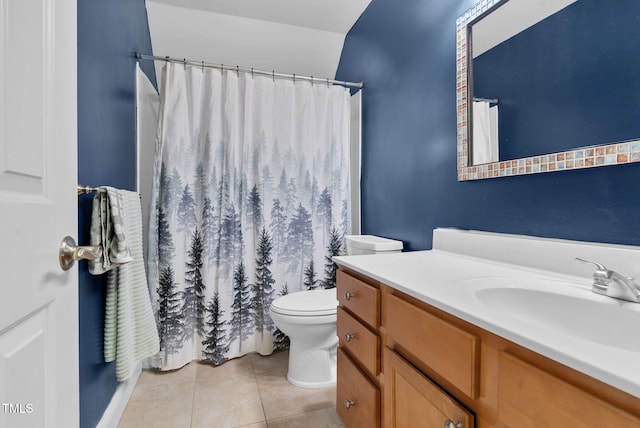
(106, 231)
(130, 331)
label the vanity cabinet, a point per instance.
(433, 369)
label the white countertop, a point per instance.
(434, 277)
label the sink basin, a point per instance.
(561, 306)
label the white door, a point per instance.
(38, 207)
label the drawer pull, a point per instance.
(349, 403)
(450, 424)
(349, 336)
(348, 295)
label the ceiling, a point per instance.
(337, 16)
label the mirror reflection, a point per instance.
(550, 76)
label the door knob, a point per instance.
(70, 252)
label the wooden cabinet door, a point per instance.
(445, 348)
(412, 400)
(531, 398)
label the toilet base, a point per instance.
(312, 368)
(311, 385)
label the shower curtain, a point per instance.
(250, 200)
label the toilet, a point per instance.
(309, 319)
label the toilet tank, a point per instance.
(370, 244)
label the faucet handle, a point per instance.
(598, 265)
(601, 273)
(612, 284)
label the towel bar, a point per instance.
(85, 190)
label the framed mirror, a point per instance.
(546, 85)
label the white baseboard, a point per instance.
(119, 401)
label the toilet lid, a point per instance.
(307, 303)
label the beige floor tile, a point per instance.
(157, 384)
(168, 411)
(247, 392)
(280, 398)
(258, 425)
(227, 404)
(330, 393)
(232, 371)
(271, 367)
(323, 418)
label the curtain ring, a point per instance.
(184, 62)
(252, 72)
(221, 69)
(328, 86)
(273, 75)
(294, 78)
(167, 58)
(238, 70)
(202, 66)
(311, 80)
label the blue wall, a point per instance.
(578, 61)
(405, 53)
(109, 33)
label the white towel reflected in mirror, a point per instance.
(485, 132)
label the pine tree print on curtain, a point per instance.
(250, 201)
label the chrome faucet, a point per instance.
(612, 284)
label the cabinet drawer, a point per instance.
(530, 397)
(448, 350)
(361, 298)
(359, 341)
(357, 399)
(411, 399)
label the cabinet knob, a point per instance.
(349, 403)
(349, 336)
(450, 424)
(348, 295)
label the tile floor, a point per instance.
(250, 392)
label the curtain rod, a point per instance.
(272, 74)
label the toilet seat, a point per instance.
(310, 303)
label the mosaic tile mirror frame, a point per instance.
(584, 157)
